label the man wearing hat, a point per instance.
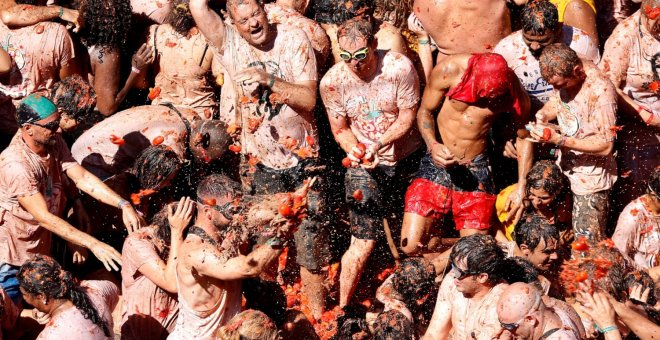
(31, 193)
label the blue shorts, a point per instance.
(9, 282)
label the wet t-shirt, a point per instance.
(275, 123)
(71, 324)
(471, 319)
(372, 107)
(592, 113)
(156, 10)
(631, 60)
(637, 234)
(25, 173)
(526, 66)
(139, 127)
(144, 303)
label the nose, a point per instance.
(254, 23)
(534, 46)
(354, 62)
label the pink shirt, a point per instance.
(627, 62)
(637, 234)
(291, 59)
(71, 324)
(143, 302)
(315, 33)
(372, 107)
(526, 66)
(138, 126)
(591, 113)
(156, 10)
(24, 173)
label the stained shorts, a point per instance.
(311, 238)
(9, 282)
(382, 192)
(468, 191)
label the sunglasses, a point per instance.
(512, 326)
(228, 210)
(461, 273)
(360, 54)
(52, 126)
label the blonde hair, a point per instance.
(249, 324)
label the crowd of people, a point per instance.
(330, 169)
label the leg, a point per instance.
(313, 290)
(415, 233)
(468, 232)
(352, 264)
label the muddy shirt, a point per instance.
(292, 59)
(637, 234)
(372, 107)
(24, 173)
(526, 66)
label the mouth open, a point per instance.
(257, 32)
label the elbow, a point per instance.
(607, 150)
(8, 18)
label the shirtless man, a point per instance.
(584, 104)
(454, 174)
(464, 26)
(523, 315)
(468, 295)
(269, 95)
(210, 269)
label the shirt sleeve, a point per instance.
(137, 251)
(65, 45)
(64, 155)
(408, 84)
(616, 55)
(331, 96)
(303, 63)
(626, 228)
(605, 112)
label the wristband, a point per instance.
(271, 80)
(274, 242)
(379, 143)
(606, 329)
(60, 12)
(423, 41)
(122, 204)
(135, 70)
(562, 141)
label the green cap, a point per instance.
(34, 107)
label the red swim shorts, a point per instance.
(471, 209)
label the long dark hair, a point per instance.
(107, 24)
(43, 275)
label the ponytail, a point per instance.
(80, 299)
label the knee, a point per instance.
(411, 246)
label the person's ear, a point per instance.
(482, 278)
(28, 129)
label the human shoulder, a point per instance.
(335, 76)
(398, 61)
(449, 71)
(510, 45)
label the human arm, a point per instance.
(300, 96)
(626, 228)
(591, 145)
(35, 204)
(208, 22)
(208, 261)
(579, 14)
(5, 62)
(26, 15)
(638, 324)
(163, 274)
(107, 76)
(601, 311)
(440, 324)
(94, 187)
(384, 295)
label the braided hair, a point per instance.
(43, 275)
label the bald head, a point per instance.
(518, 300)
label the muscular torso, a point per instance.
(464, 26)
(200, 292)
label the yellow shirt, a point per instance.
(561, 6)
(501, 214)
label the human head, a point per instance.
(216, 195)
(523, 271)
(180, 17)
(392, 325)
(538, 240)
(75, 99)
(414, 280)
(155, 168)
(163, 229)
(106, 24)
(545, 184)
(654, 183)
(627, 282)
(561, 67)
(481, 260)
(338, 11)
(250, 20)
(651, 17)
(352, 324)
(249, 324)
(540, 25)
(208, 140)
(395, 12)
(356, 39)
(44, 283)
(518, 310)
(38, 119)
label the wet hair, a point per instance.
(154, 165)
(558, 60)
(482, 255)
(654, 182)
(75, 97)
(107, 24)
(353, 321)
(43, 276)
(217, 185)
(413, 279)
(393, 325)
(602, 263)
(533, 228)
(547, 176)
(540, 17)
(394, 11)
(249, 324)
(356, 28)
(163, 231)
(524, 271)
(338, 11)
(180, 17)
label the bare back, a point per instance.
(464, 26)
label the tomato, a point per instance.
(580, 244)
(346, 162)
(235, 148)
(117, 140)
(547, 134)
(158, 140)
(357, 195)
(362, 149)
(154, 93)
(286, 211)
(581, 276)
